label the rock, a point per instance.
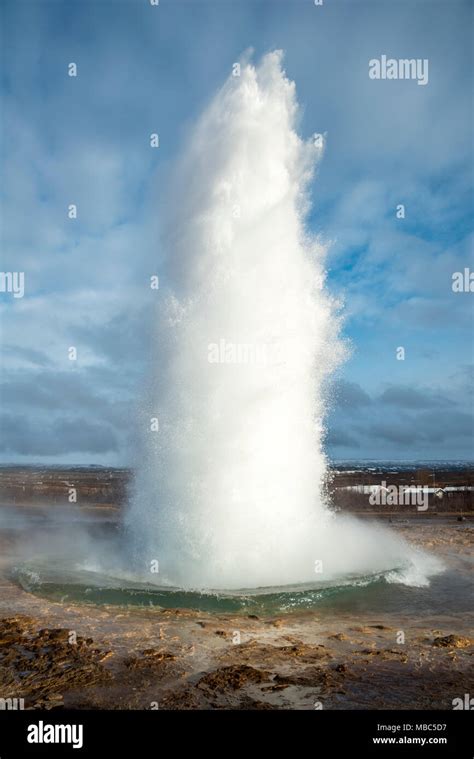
(452, 641)
(310, 677)
(149, 657)
(276, 623)
(339, 636)
(234, 677)
(36, 665)
(252, 704)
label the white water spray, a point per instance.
(230, 490)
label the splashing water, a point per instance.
(230, 490)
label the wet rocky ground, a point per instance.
(56, 655)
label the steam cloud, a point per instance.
(230, 489)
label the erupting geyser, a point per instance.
(230, 490)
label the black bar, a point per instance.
(320, 733)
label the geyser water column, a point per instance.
(229, 493)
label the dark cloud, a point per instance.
(393, 432)
(25, 437)
(60, 413)
(58, 391)
(349, 395)
(407, 397)
(420, 423)
(338, 438)
(429, 428)
(446, 426)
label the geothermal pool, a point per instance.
(380, 592)
(59, 582)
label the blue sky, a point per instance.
(85, 140)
